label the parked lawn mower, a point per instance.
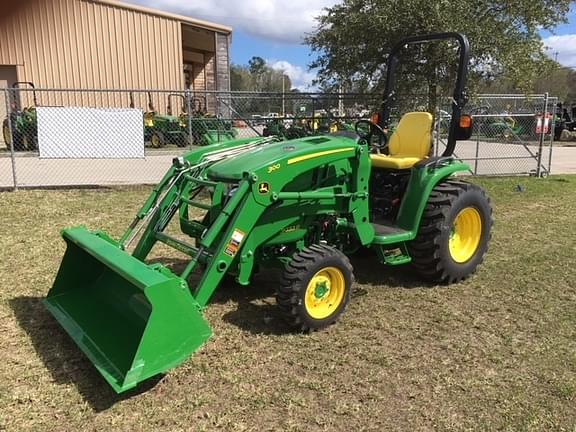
(301, 127)
(298, 128)
(160, 129)
(23, 122)
(301, 205)
(208, 129)
(505, 127)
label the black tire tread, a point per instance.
(426, 250)
(288, 293)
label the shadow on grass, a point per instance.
(66, 363)
(369, 271)
(256, 309)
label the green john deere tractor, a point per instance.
(208, 129)
(301, 126)
(300, 205)
(163, 129)
(22, 123)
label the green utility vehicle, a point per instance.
(301, 205)
(209, 129)
(162, 129)
(300, 127)
(22, 123)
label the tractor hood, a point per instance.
(273, 156)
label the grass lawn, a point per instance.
(497, 352)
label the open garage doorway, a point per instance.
(8, 77)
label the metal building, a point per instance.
(105, 44)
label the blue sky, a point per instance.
(273, 30)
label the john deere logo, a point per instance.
(263, 188)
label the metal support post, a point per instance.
(8, 95)
(541, 137)
(551, 142)
(188, 97)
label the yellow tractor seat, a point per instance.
(409, 144)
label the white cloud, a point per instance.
(284, 21)
(299, 76)
(564, 46)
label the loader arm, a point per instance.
(267, 200)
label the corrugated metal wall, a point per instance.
(85, 44)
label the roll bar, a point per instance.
(19, 84)
(459, 96)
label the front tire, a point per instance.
(17, 141)
(315, 287)
(454, 232)
(29, 142)
(6, 133)
(157, 139)
(182, 141)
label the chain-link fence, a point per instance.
(110, 137)
(513, 134)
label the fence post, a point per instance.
(438, 121)
(187, 95)
(8, 95)
(541, 138)
(551, 143)
(477, 154)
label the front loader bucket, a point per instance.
(131, 320)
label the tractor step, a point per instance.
(386, 230)
(393, 256)
(386, 234)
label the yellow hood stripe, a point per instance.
(319, 154)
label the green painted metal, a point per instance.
(267, 201)
(131, 320)
(211, 130)
(422, 181)
(23, 123)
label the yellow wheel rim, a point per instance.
(466, 234)
(325, 293)
(155, 141)
(6, 135)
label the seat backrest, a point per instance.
(413, 136)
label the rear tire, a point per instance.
(315, 287)
(454, 232)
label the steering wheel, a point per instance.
(366, 129)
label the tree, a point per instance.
(257, 66)
(561, 82)
(258, 76)
(353, 38)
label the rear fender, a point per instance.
(422, 181)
